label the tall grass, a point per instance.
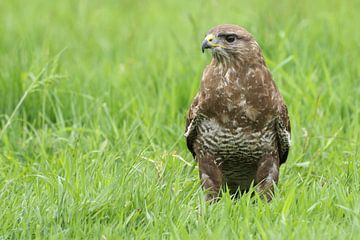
(93, 98)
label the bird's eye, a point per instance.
(230, 38)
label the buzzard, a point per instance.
(237, 128)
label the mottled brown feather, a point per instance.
(237, 127)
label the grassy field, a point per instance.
(93, 98)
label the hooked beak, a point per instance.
(210, 42)
(207, 43)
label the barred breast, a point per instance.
(237, 150)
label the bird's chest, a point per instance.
(237, 104)
(235, 109)
(240, 143)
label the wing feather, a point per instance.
(190, 128)
(283, 134)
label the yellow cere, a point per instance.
(210, 38)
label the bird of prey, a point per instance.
(237, 128)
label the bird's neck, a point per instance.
(225, 63)
(240, 64)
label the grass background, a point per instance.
(93, 98)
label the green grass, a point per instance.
(93, 98)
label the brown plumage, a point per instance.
(238, 128)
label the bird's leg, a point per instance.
(267, 175)
(210, 175)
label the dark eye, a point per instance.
(230, 38)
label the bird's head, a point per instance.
(230, 41)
